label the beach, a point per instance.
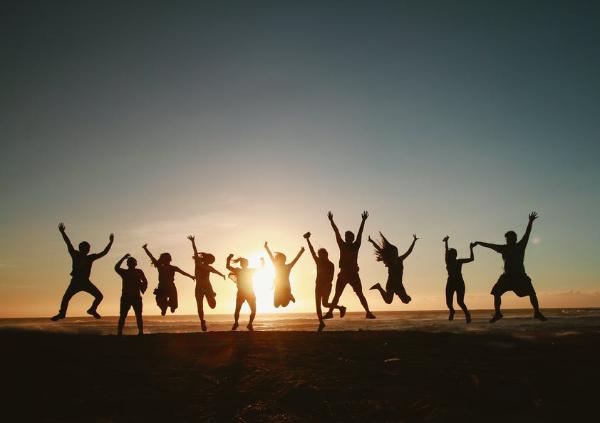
(294, 376)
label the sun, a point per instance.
(263, 282)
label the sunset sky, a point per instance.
(247, 121)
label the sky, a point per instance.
(242, 122)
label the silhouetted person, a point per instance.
(455, 281)
(348, 273)
(166, 292)
(388, 254)
(283, 288)
(204, 289)
(80, 274)
(134, 283)
(514, 277)
(242, 276)
(323, 283)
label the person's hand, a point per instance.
(230, 256)
(61, 227)
(370, 239)
(224, 277)
(191, 238)
(111, 237)
(145, 246)
(126, 256)
(302, 250)
(533, 216)
(475, 244)
(266, 245)
(330, 216)
(446, 238)
(306, 235)
(415, 237)
(364, 215)
(472, 245)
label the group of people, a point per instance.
(134, 282)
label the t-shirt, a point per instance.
(325, 272)
(349, 256)
(454, 269)
(134, 282)
(243, 279)
(514, 257)
(82, 265)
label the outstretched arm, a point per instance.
(525, 239)
(193, 239)
(63, 232)
(297, 257)
(338, 238)
(364, 217)
(471, 257)
(183, 272)
(410, 249)
(152, 259)
(104, 252)
(213, 270)
(120, 262)
(269, 252)
(311, 248)
(377, 247)
(496, 247)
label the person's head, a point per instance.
(280, 258)
(84, 247)
(207, 258)
(452, 253)
(349, 236)
(165, 258)
(131, 263)
(511, 237)
(243, 262)
(323, 254)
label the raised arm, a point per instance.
(269, 252)
(184, 273)
(310, 246)
(446, 238)
(228, 263)
(104, 252)
(410, 249)
(63, 232)
(338, 238)
(120, 262)
(297, 257)
(193, 239)
(525, 239)
(213, 270)
(364, 217)
(377, 247)
(152, 259)
(471, 257)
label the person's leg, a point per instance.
(238, 306)
(449, 300)
(137, 309)
(537, 314)
(95, 292)
(386, 294)
(325, 293)
(252, 303)
(340, 284)
(460, 299)
(357, 287)
(162, 303)
(71, 290)
(123, 310)
(173, 299)
(497, 303)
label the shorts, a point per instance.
(348, 277)
(520, 284)
(127, 303)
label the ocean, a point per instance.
(560, 322)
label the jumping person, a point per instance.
(242, 276)
(283, 289)
(388, 254)
(455, 281)
(134, 282)
(514, 277)
(204, 289)
(80, 274)
(348, 273)
(166, 292)
(323, 283)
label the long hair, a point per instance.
(164, 258)
(387, 252)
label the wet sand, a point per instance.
(299, 376)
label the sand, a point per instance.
(299, 376)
